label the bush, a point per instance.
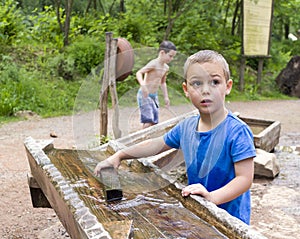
(12, 26)
(86, 54)
(17, 91)
(21, 90)
(45, 29)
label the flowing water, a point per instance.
(155, 214)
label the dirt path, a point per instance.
(276, 206)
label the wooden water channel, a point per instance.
(151, 208)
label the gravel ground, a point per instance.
(276, 206)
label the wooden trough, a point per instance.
(266, 132)
(151, 207)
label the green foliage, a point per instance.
(79, 6)
(28, 5)
(285, 18)
(86, 53)
(18, 90)
(39, 74)
(45, 28)
(12, 21)
(131, 28)
(104, 139)
(141, 26)
(21, 90)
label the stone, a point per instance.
(288, 80)
(265, 164)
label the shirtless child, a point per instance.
(150, 77)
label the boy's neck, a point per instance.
(209, 121)
(160, 60)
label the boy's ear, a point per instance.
(228, 86)
(161, 52)
(184, 87)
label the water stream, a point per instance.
(155, 214)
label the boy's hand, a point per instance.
(167, 103)
(107, 163)
(197, 189)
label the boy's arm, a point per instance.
(244, 171)
(164, 90)
(146, 148)
(140, 77)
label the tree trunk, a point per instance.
(183, 6)
(68, 9)
(57, 4)
(235, 17)
(286, 30)
(122, 6)
(66, 27)
(88, 6)
(226, 12)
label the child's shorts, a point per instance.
(149, 108)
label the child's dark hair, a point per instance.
(167, 46)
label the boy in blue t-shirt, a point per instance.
(218, 147)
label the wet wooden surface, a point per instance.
(155, 214)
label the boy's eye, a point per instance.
(215, 82)
(196, 84)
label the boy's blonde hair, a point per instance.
(207, 56)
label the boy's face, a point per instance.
(206, 86)
(168, 57)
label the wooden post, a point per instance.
(113, 89)
(242, 72)
(104, 89)
(109, 83)
(259, 70)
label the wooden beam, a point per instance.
(105, 87)
(242, 74)
(109, 84)
(259, 70)
(113, 88)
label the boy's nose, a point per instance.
(205, 88)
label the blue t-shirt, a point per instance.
(210, 156)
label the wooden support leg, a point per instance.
(38, 198)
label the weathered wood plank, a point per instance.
(266, 132)
(73, 212)
(150, 132)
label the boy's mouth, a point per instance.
(206, 101)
